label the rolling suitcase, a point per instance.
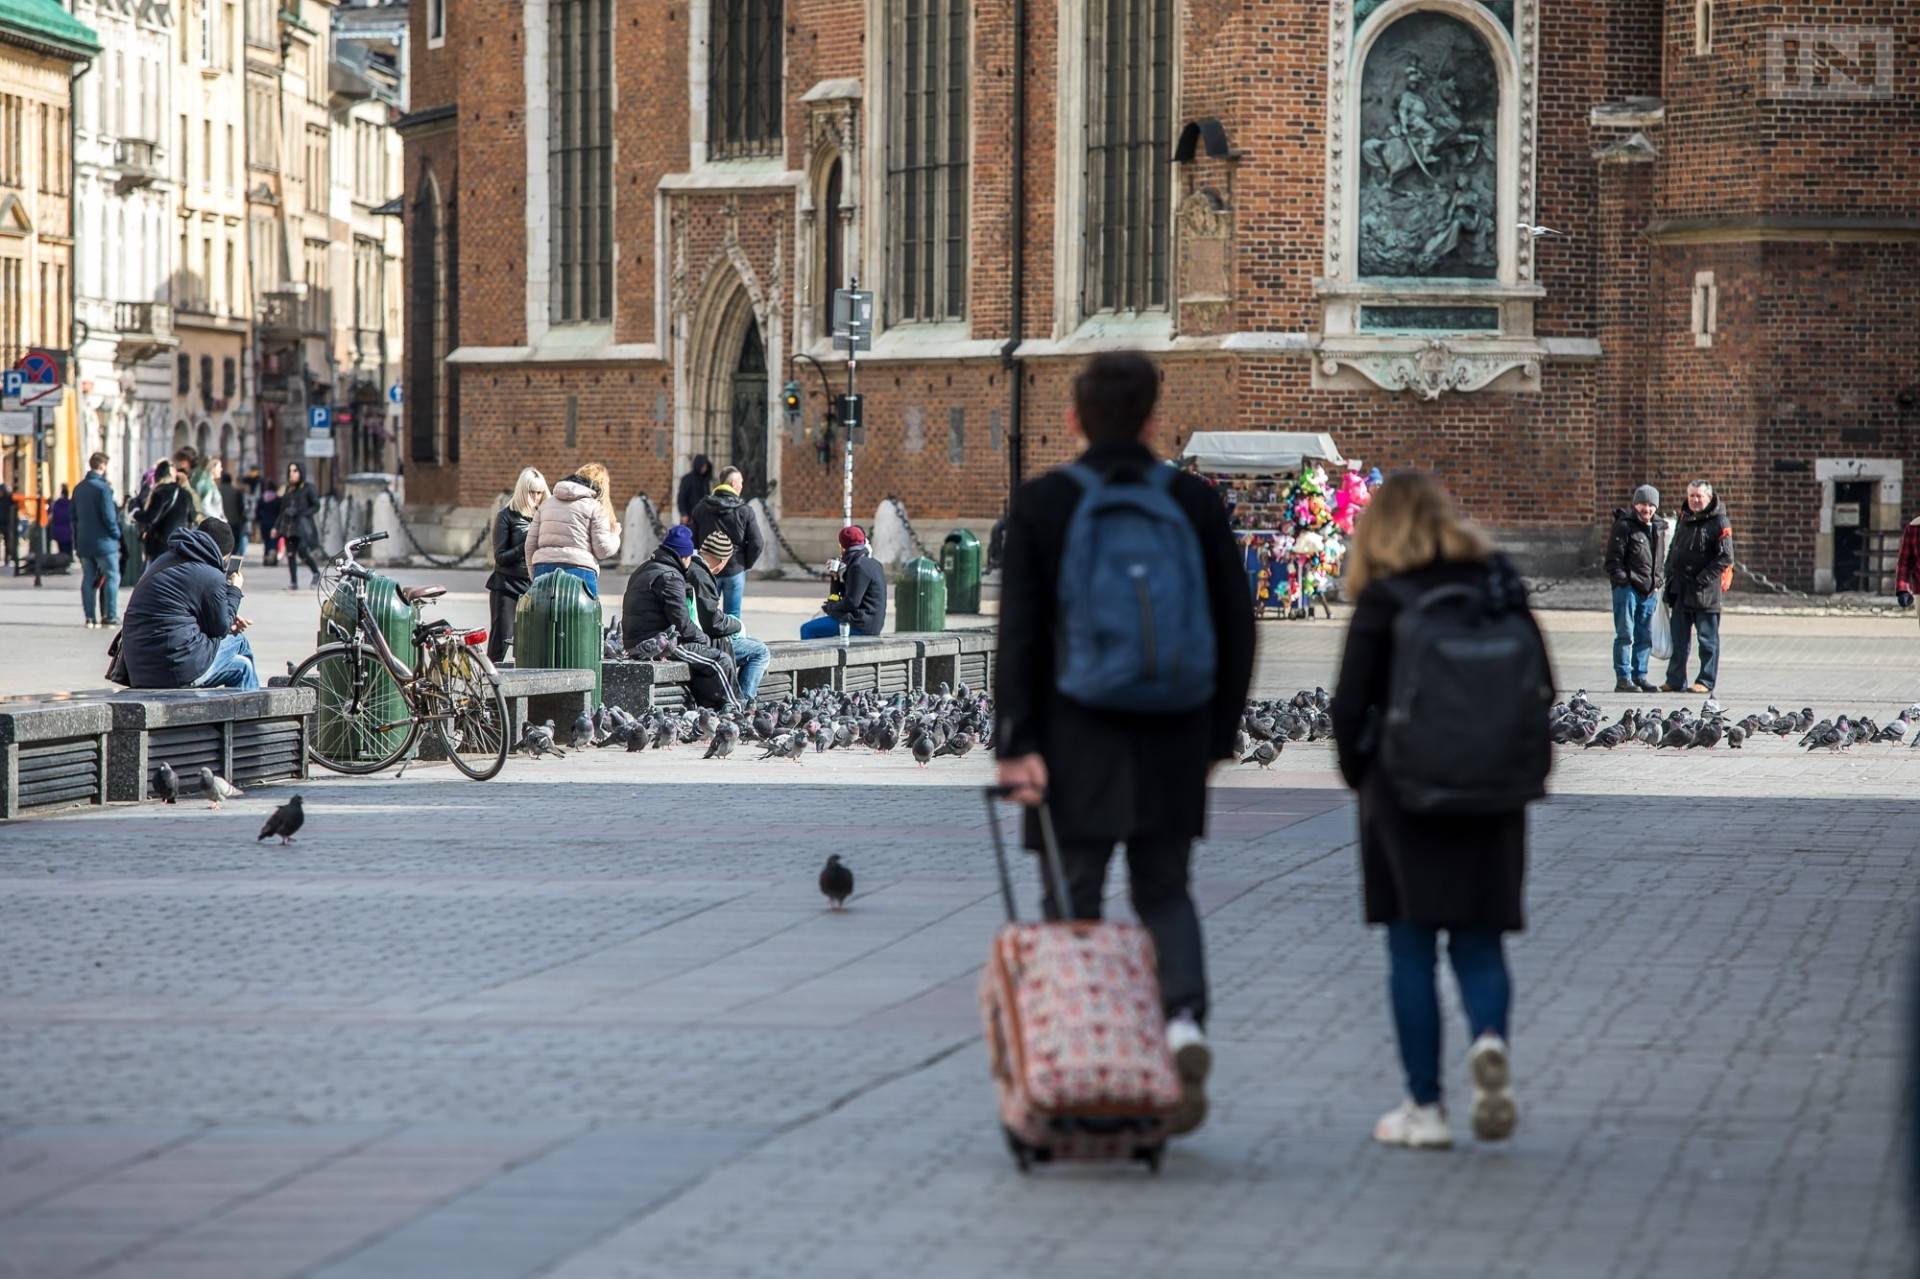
(1076, 1036)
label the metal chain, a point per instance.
(787, 546)
(912, 536)
(437, 561)
(1826, 601)
(653, 516)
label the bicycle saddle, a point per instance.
(421, 594)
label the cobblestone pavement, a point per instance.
(590, 1020)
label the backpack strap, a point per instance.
(1083, 475)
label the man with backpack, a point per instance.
(1699, 573)
(1126, 651)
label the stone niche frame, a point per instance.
(1432, 363)
(1882, 514)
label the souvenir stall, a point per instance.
(1292, 499)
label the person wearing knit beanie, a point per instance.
(679, 540)
(1635, 563)
(718, 545)
(857, 593)
(851, 536)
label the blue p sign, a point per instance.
(319, 417)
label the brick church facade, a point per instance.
(626, 217)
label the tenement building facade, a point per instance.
(1548, 250)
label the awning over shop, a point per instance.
(1260, 452)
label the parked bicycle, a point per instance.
(371, 706)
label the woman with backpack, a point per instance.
(1436, 854)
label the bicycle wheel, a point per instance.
(475, 728)
(362, 723)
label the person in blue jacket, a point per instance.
(96, 540)
(184, 628)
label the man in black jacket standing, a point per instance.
(726, 510)
(1112, 777)
(856, 593)
(658, 599)
(183, 627)
(1633, 567)
(1699, 566)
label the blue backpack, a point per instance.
(1136, 624)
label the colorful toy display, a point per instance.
(1293, 563)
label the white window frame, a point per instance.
(1706, 308)
(437, 23)
(1702, 28)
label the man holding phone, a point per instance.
(183, 626)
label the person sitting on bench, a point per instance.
(183, 627)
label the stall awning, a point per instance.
(1260, 452)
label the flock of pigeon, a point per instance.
(284, 821)
(1577, 722)
(943, 724)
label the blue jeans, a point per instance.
(1632, 632)
(1687, 624)
(232, 666)
(822, 627)
(1479, 966)
(733, 593)
(100, 579)
(587, 575)
(751, 657)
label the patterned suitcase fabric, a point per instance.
(1077, 1041)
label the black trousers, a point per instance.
(297, 550)
(500, 611)
(1157, 871)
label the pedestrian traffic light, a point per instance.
(790, 401)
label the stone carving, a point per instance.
(1338, 56)
(1432, 370)
(1429, 116)
(1204, 231)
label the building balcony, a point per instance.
(293, 312)
(138, 162)
(144, 329)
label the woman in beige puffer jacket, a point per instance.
(574, 529)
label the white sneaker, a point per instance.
(1494, 1113)
(1194, 1060)
(1416, 1127)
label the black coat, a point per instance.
(179, 613)
(720, 625)
(656, 600)
(298, 505)
(1113, 775)
(168, 510)
(1702, 550)
(510, 577)
(1632, 557)
(1444, 871)
(723, 509)
(862, 589)
(694, 485)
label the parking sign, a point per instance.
(319, 417)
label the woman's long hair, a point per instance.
(293, 469)
(528, 491)
(596, 475)
(1411, 522)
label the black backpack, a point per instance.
(1466, 731)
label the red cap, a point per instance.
(851, 536)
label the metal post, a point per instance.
(846, 495)
(37, 543)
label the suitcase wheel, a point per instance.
(1022, 1156)
(1150, 1156)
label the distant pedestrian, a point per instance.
(856, 591)
(168, 509)
(723, 630)
(694, 487)
(575, 529)
(6, 522)
(1424, 872)
(726, 510)
(511, 576)
(266, 518)
(1636, 551)
(205, 483)
(233, 505)
(299, 505)
(60, 522)
(96, 527)
(1699, 572)
(1092, 721)
(1906, 577)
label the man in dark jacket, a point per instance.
(749, 655)
(694, 486)
(659, 599)
(724, 509)
(96, 534)
(856, 593)
(1699, 565)
(1633, 567)
(1108, 777)
(183, 627)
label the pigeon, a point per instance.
(723, 739)
(1264, 754)
(284, 821)
(537, 740)
(957, 745)
(1735, 736)
(777, 746)
(836, 882)
(1708, 737)
(923, 750)
(216, 788)
(166, 784)
(1535, 232)
(1832, 737)
(582, 733)
(1679, 734)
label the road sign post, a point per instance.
(852, 333)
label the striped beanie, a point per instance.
(718, 545)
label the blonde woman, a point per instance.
(575, 529)
(512, 576)
(1424, 873)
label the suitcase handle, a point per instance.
(1054, 868)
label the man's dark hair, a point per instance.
(221, 534)
(1114, 395)
(98, 462)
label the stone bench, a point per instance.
(258, 735)
(53, 753)
(536, 694)
(977, 659)
(880, 664)
(885, 664)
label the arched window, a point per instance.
(426, 323)
(833, 246)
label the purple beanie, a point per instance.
(679, 540)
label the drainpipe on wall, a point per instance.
(1016, 318)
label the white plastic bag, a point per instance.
(1662, 631)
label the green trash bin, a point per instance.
(960, 563)
(920, 597)
(396, 623)
(557, 625)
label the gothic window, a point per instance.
(927, 140)
(426, 340)
(1129, 125)
(580, 88)
(743, 78)
(833, 245)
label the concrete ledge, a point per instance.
(883, 664)
(52, 754)
(537, 693)
(253, 736)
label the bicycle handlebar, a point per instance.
(368, 540)
(354, 570)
